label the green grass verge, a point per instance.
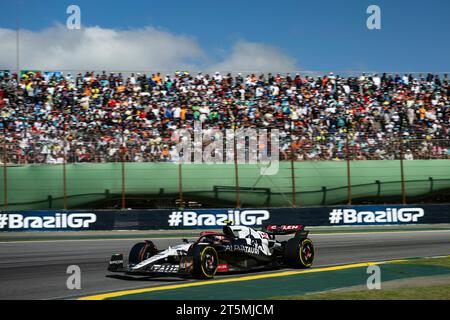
(419, 293)
(440, 262)
(304, 285)
(439, 292)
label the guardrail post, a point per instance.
(5, 175)
(402, 172)
(269, 197)
(50, 201)
(349, 181)
(236, 171)
(64, 178)
(180, 183)
(431, 184)
(64, 166)
(324, 197)
(378, 183)
(122, 160)
(294, 195)
(107, 197)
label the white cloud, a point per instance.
(147, 49)
(98, 48)
(250, 56)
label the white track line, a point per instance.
(193, 237)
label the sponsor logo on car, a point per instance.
(222, 267)
(50, 221)
(194, 219)
(165, 268)
(284, 227)
(242, 248)
(390, 215)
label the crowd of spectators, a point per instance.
(103, 117)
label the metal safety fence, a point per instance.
(113, 173)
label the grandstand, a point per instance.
(80, 140)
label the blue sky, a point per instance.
(315, 35)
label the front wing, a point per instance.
(184, 267)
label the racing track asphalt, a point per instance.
(37, 270)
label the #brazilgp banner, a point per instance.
(166, 219)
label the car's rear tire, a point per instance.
(299, 252)
(141, 251)
(205, 261)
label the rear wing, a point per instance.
(283, 229)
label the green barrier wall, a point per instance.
(87, 182)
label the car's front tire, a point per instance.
(205, 261)
(299, 252)
(141, 251)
